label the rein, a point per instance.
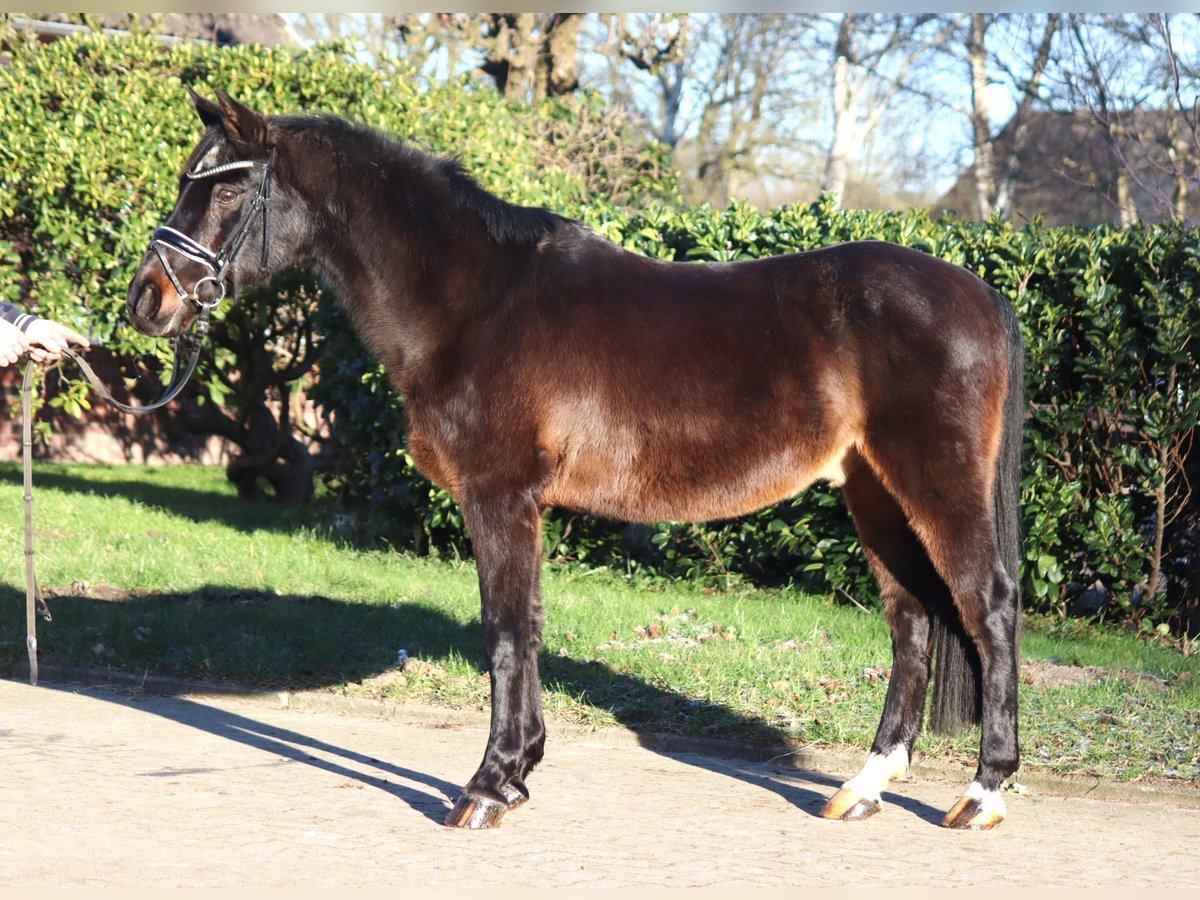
(218, 263)
(35, 603)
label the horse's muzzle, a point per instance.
(147, 303)
(146, 313)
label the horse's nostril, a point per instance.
(149, 301)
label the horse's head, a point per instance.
(225, 232)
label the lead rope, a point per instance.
(35, 603)
(33, 594)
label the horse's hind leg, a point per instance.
(949, 504)
(908, 585)
(506, 536)
(987, 600)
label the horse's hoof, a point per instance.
(850, 806)
(476, 813)
(515, 793)
(976, 810)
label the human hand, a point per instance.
(12, 343)
(47, 339)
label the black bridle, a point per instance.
(218, 263)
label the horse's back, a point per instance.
(701, 391)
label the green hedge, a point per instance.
(1111, 323)
(94, 131)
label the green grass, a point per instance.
(164, 571)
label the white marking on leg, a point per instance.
(877, 771)
(991, 803)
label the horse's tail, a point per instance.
(957, 692)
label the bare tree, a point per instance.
(721, 89)
(776, 105)
(749, 102)
(1012, 51)
(873, 55)
(432, 43)
(528, 56)
(994, 173)
(657, 45)
(1027, 83)
(1143, 93)
(1183, 130)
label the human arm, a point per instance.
(12, 342)
(43, 339)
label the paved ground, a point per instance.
(100, 788)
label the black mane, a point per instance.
(448, 188)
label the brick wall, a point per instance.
(103, 434)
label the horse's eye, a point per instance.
(226, 195)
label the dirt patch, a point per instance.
(90, 591)
(1050, 674)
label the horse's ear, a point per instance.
(242, 124)
(209, 112)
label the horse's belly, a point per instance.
(684, 486)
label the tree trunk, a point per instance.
(559, 73)
(845, 102)
(1126, 208)
(845, 112)
(981, 124)
(670, 79)
(512, 54)
(1178, 153)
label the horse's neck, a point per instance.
(406, 295)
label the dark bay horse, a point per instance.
(543, 366)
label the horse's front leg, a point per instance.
(506, 535)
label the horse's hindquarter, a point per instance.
(697, 391)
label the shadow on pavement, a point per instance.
(923, 811)
(288, 744)
(328, 642)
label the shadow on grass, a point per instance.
(198, 505)
(296, 642)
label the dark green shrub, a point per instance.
(1110, 322)
(94, 131)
